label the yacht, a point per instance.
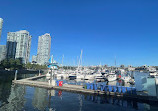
(151, 69)
(126, 78)
(89, 77)
(99, 76)
(111, 76)
(80, 76)
(49, 73)
(72, 75)
(153, 74)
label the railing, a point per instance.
(110, 88)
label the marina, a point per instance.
(35, 97)
(89, 88)
(78, 55)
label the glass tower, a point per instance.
(18, 45)
(1, 23)
(43, 52)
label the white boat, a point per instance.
(49, 73)
(99, 76)
(153, 74)
(122, 71)
(151, 69)
(111, 76)
(80, 76)
(89, 77)
(126, 78)
(72, 76)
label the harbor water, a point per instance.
(25, 98)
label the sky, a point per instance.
(104, 29)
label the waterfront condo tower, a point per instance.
(18, 45)
(43, 52)
(1, 23)
(2, 52)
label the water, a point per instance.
(25, 98)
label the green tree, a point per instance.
(12, 63)
(28, 65)
(5, 63)
(18, 64)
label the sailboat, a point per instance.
(112, 74)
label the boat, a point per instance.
(153, 74)
(99, 76)
(49, 73)
(72, 76)
(89, 77)
(126, 78)
(111, 76)
(151, 69)
(80, 76)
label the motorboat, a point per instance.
(89, 77)
(49, 73)
(126, 78)
(111, 76)
(153, 74)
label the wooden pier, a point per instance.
(80, 89)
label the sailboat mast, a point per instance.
(62, 61)
(81, 59)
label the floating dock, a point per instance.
(140, 96)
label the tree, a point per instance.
(28, 65)
(122, 66)
(18, 64)
(12, 63)
(5, 63)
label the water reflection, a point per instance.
(113, 101)
(19, 97)
(16, 100)
(40, 99)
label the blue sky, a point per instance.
(127, 29)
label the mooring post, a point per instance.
(39, 73)
(51, 76)
(16, 71)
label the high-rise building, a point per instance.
(18, 45)
(2, 52)
(43, 52)
(1, 23)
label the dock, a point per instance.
(140, 96)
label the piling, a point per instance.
(39, 73)
(15, 78)
(51, 77)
